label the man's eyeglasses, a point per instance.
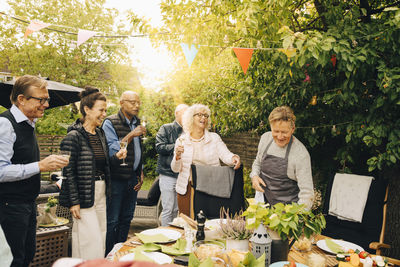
(42, 101)
(132, 102)
(202, 115)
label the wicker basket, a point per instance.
(51, 244)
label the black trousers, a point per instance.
(18, 221)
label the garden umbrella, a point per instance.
(60, 94)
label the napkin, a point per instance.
(153, 238)
(334, 247)
(148, 247)
(139, 256)
(178, 249)
(249, 261)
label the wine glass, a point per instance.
(123, 145)
(143, 122)
(180, 139)
(66, 154)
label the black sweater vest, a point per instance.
(122, 128)
(26, 150)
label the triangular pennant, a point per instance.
(35, 26)
(83, 36)
(244, 55)
(190, 53)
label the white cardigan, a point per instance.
(214, 149)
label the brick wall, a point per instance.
(245, 145)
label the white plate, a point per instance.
(344, 244)
(171, 234)
(281, 263)
(158, 257)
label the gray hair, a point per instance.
(187, 120)
(180, 107)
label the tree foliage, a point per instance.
(52, 52)
(342, 80)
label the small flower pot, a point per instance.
(241, 245)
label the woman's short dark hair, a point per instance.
(22, 85)
(89, 96)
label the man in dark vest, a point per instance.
(165, 145)
(125, 180)
(20, 166)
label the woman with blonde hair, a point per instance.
(282, 168)
(197, 146)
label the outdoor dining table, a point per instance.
(294, 255)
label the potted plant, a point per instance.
(47, 211)
(288, 221)
(234, 231)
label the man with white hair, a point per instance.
(165, 144)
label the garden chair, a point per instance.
(371, 227)
(148, 204)
(210, 204)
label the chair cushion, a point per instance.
(152, 196)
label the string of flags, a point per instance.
(244, 55)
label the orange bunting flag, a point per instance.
(244, 56)
(83, 36)
(35, 26)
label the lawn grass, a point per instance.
(147, 182)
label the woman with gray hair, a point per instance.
(282, 168)
(197, 146)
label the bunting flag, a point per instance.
(83, 36)
(35, 26)
(244, 56)
(190, 53)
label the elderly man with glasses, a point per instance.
(20, 166)
(126, 179)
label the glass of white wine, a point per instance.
(123, 144)
(66, 154)
(143, 122)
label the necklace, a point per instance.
(197, 140)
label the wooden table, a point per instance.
(294, 255)
(301, 257)
(128, 245)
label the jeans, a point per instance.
(168, 199)
(18, 221)
(120, 210)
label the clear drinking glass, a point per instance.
(143, 122)
(66, 154)
(123, 145)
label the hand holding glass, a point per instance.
(123, 145)
(143, 123)
(65, 154)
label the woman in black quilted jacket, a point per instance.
(87, 176)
